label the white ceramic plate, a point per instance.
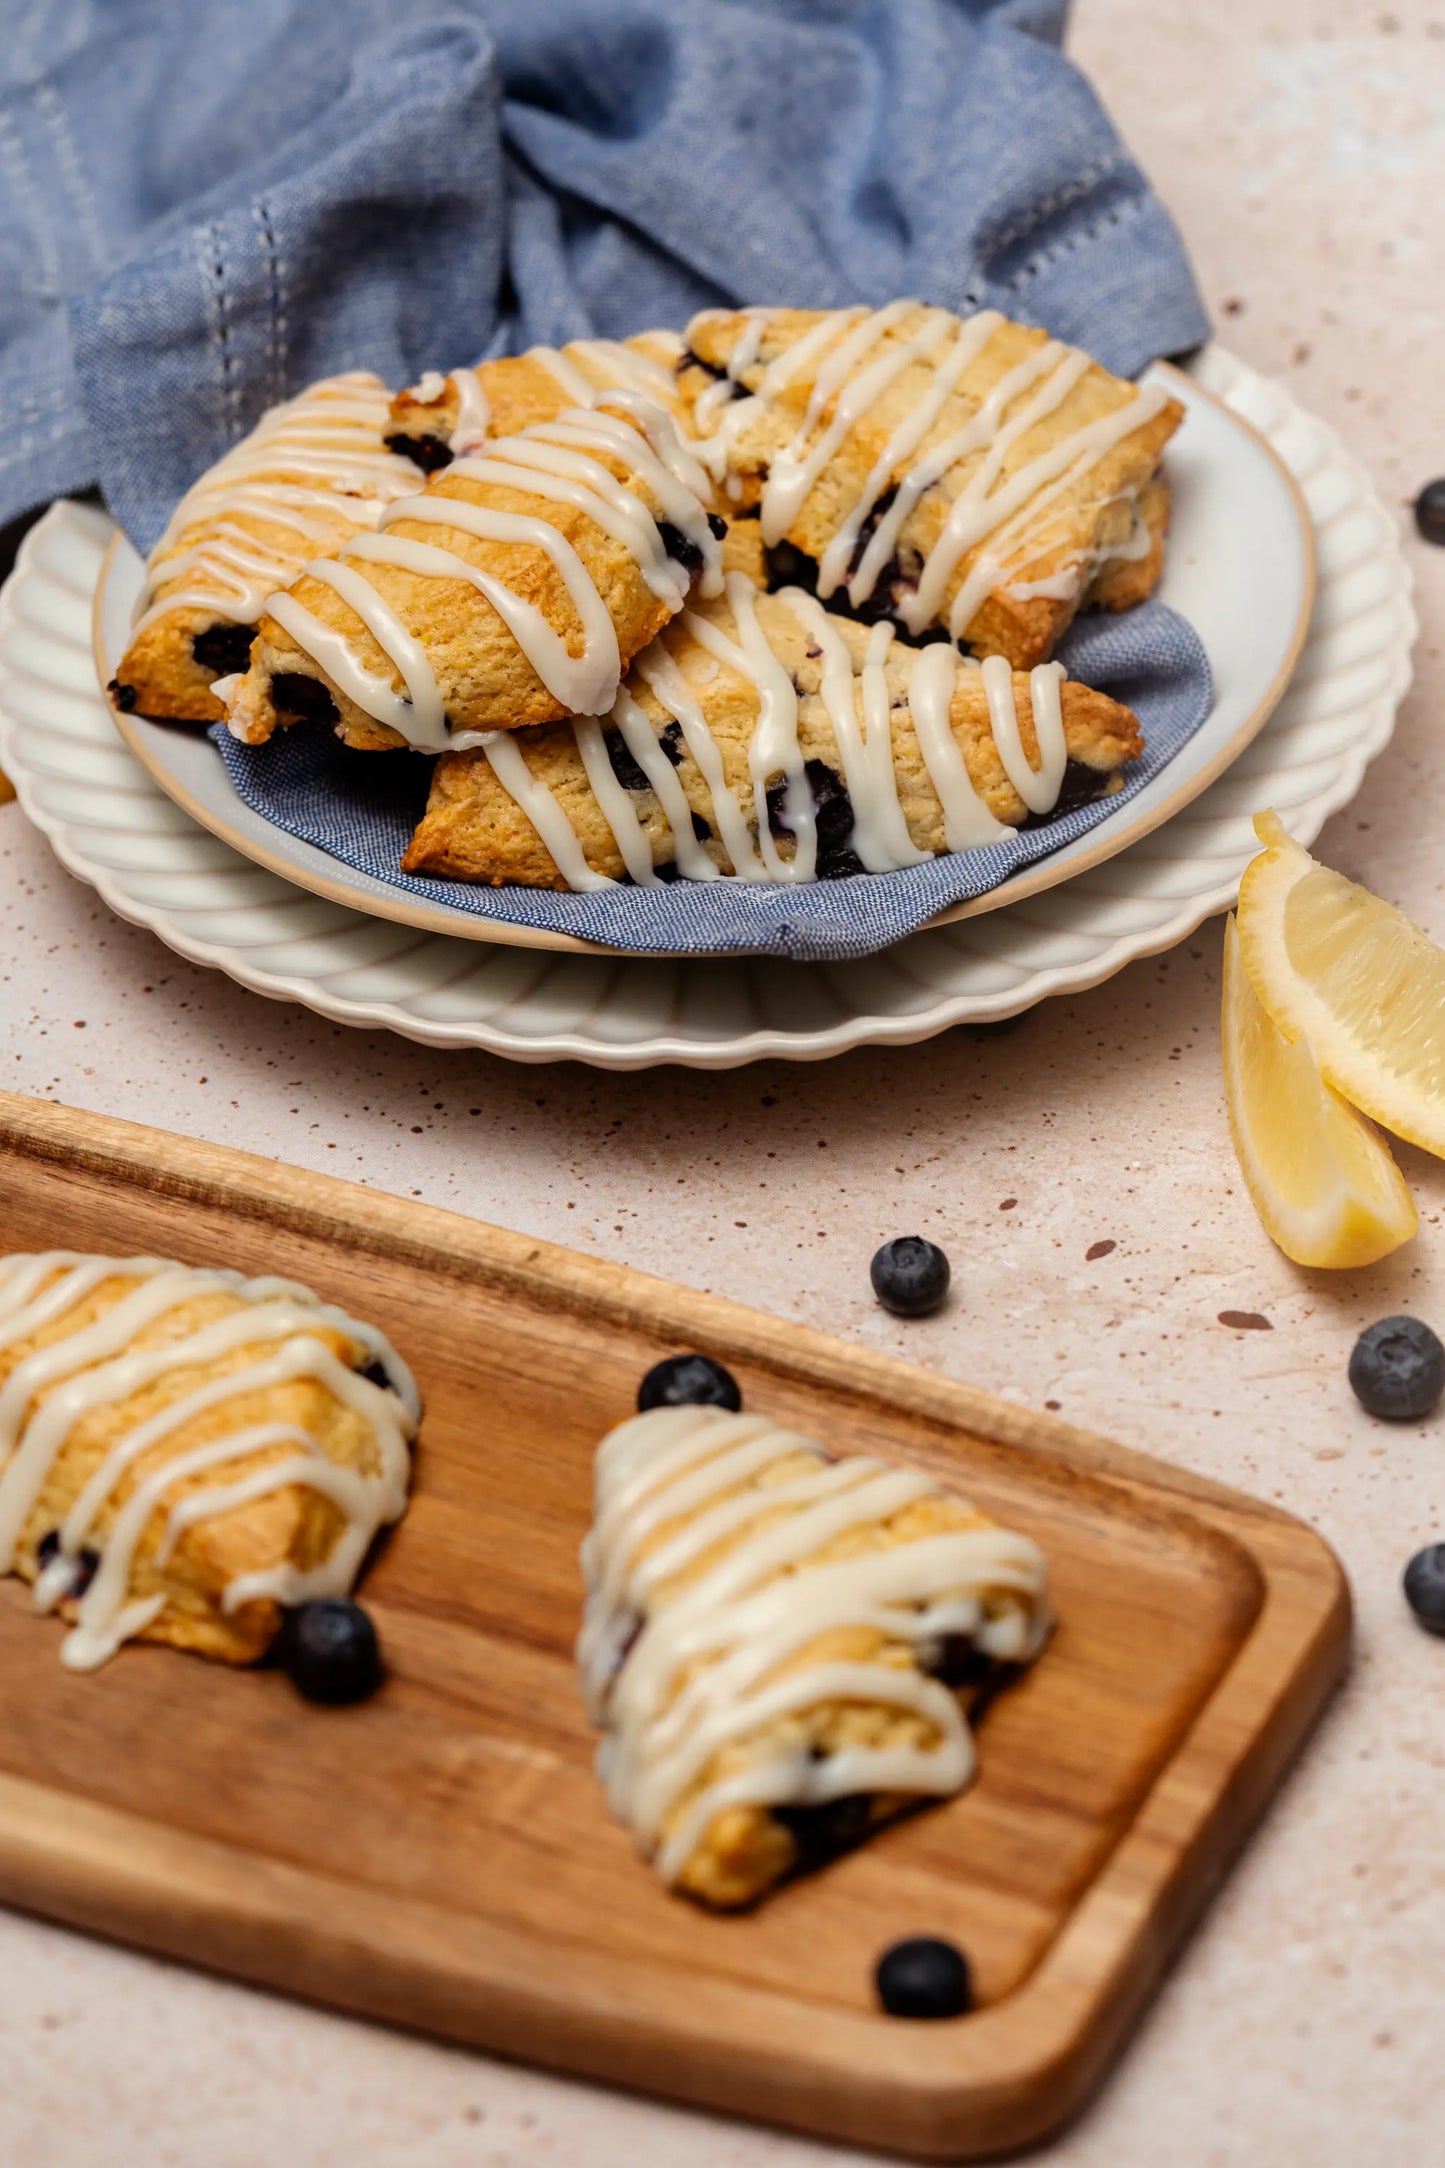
(1239, 565)
(112, 825)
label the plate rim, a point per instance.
(1038, 879)
(956, 986)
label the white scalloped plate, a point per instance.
(1240, 566)
(113, 826)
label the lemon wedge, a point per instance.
(1321, 1177)
(1351, 975)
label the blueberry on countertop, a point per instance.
(1430, 510)
(924, 1977)
(1397, 1369)
(329, 1650)
(1424, 1585)
(910, 1276)
(689, 1381)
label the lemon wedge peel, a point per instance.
(1354, 978)
(1320, 1176)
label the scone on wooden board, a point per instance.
(971, 474)
(184, 1452)
(762, 737)
(311, 475)
(441, 416)
(778, 1644)
(514, 590)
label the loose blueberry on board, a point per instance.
(1398, 1369)
(924, 1977)
(1430, 510)
(329, 1650)
(910, 1276)
(1424, 1585)
(689, 1381)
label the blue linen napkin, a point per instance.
(362, 808)
(205, 205)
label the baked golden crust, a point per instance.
(296, 1525)
(782, 1660)
(1047, 551)
(481, 672)
(313, 474)
(474, 830)
(1122, 582)
(521, 389)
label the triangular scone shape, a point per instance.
(971, 474)
(441, 416)
(761, 737)
(183, 1451)
(311, 476)
(513, 589)
(779, 1645)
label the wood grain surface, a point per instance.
(443, 1857)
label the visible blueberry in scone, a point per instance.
(184, 1452)
(766, 1638)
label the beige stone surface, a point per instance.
(1302, 146)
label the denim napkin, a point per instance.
(362, 808)
(205, 204)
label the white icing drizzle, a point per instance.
(568, 375)
(967, 822)
(990, 507)
(880, 836)
(1038, 787)
(333, 431)
(704, 1668)
(90, 1369)
(557, 460)
(880, 833)
(474, 409)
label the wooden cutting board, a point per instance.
(443, 1857)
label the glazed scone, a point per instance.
(442, 416)
(311, 475)
(183, 1452)
(761, 737)
(777, 1644)
(513, 590)
(1125, 580)
(967, 474)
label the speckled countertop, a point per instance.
(1301, 144)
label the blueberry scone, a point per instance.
(444, 415)
(763, 738)
(974, 474)
(184, 1452)
(514, 589)
(779, 1645)
(312, 475)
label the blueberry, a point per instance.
(223, 650)
(124, 696)
(910, 1276)
(329, 1650)
(689, 1381)
(1398, 1369)
(1430, 510)
(1424, 1585)
(306, 697)
(430, 453)
(83, 1567)
(924, 1977)
(377, 1374)
(828, 1830)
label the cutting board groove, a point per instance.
(443, 1857)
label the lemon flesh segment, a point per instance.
(1321, 1178)
(1350, 974)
